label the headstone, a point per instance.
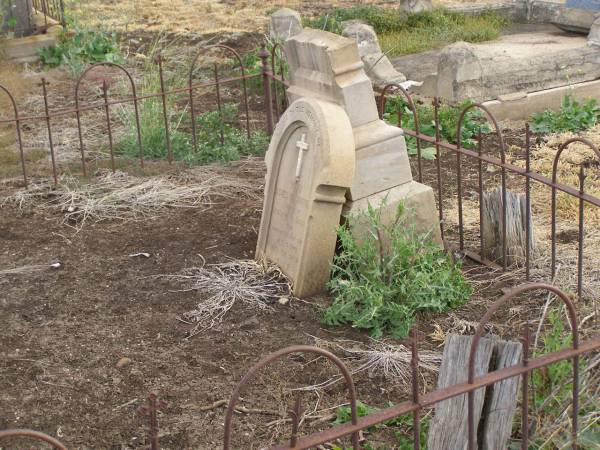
(575, 20)
(594, 35)
(284, 23)
(16, 16)
(416, 6)
(327, 66)
(310, 166)
(377, 65)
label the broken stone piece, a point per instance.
(284, 23)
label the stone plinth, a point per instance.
(310, 166)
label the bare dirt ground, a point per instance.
(66, 331)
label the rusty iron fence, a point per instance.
(24, 125)
(445, 185)
(419, 401)
(51, 9)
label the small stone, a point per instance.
(250, 323)
(123, 362)
(283, 301)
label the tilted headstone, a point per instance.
(416, 6)
(594, 35)
(284, 23)
(327, 66)
(575, 19)
(310, 166)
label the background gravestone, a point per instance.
(16, 16)
(284, 23)
(310, 166)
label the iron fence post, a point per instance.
(266, 74)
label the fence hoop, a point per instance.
(275, 356)
(135, 105)
(242, 67)
(479, 332)
(31, 434)
(18, 130)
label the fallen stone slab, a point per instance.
(574, 20)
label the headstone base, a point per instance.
(419, 202)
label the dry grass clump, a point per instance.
(254, 285)
(119, 196)
(377, 358)
(568, 173)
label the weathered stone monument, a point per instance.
(331, 151)
(310, 166)
(327, 66)
(284, 23)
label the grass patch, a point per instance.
(218, 135)
(380, 283)
(401, 33)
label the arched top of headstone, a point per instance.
(310, 166)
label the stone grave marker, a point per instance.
(327, 66)
(310, 166)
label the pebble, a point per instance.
(123, 362)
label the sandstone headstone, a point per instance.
(284, 23)
(574, 20)
(416, 6)
(594, 36)
(310, 166)
(328, 67)
(377, 65)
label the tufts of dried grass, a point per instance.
(119, 196)
(254, 285)
(378, 358)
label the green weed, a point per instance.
(448, 120)
(574, 115)
(380, 283)
(83, 47)
(401, 33)
(401, 424)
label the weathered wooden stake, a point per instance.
(516, 226)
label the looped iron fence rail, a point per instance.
(419, 401)
(270, 82)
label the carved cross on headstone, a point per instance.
(302, 146)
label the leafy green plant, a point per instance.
(401, 33)
(448, 117)
(403, 425)
(574, 115)
(380, 282)
(82, 47)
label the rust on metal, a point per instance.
(31, 434)
(150, 410)
(275, 356)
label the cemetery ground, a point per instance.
(84, 343)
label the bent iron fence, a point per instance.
(419, 402)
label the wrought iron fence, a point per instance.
(274, 103)
(419, 402)
(477, 158)
(51, 9)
